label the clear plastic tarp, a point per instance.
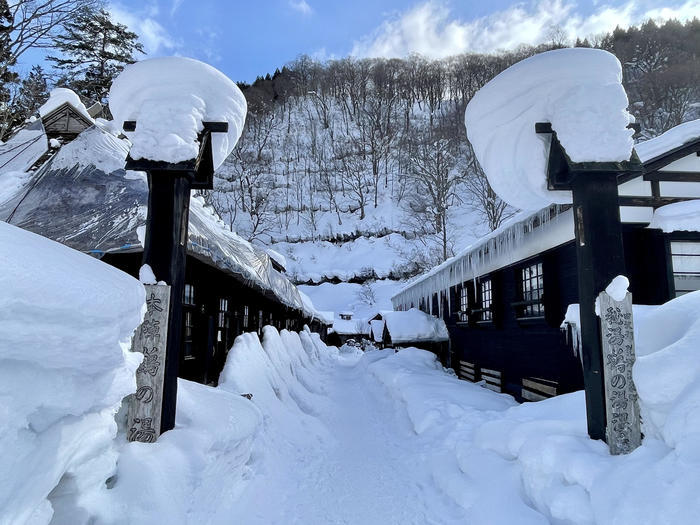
(97, 211)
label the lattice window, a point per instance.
(189, 294)
(463, 303)
(685, 258)
(224, 320)
(486, 290)
(246, 316)
(531, 291)
(189, 334)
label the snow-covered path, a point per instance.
(367, 469)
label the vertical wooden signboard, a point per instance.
(623, 431)
(146, 405)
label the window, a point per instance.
(463, 303)
(685, 257)
(260, 321)
(531, 291)
(189, 294)
(224, 320)
(245, 316)
(189, 334)
(486, 300)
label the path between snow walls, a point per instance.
(393, 438)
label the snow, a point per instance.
(413, 326)
(60, 96)
(679, 216)
(355, 326)
(169, 98)
(93, 147)
(23, 150)
(617, 289)
(577, 90)
(377, 330)
(277, 257)
(673, 138)
(66, 322)
(146, 275)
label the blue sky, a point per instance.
(253, 37)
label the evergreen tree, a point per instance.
(94, 49)
(33, 92)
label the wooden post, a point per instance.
(623, 431)
(165, 252)
(600, 256)
(144, 419)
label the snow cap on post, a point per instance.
(169, 98)
(579, 91)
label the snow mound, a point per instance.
(578, 91)
(66, 322)
(93, 147)
(60, 96)
(679, 216)
(164, 482)
(534, 463)
(169, 98)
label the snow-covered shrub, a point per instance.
(66, 322)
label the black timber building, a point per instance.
(504, 298)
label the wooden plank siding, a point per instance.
(530, 358)
(208, 354)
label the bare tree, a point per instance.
(480, 195)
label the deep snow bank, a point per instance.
(196, 472)
(66, 322)
(511, 459)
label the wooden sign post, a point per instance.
(599, 254)
(623, 430)
(151, 338)
(165, 246)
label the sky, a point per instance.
(245, 38)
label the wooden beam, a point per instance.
(213, 127)
(650, 202)
(673, 176)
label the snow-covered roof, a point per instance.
(522, 236)
(351, 327)
(672, 139)
(25, 147)
(277, 257)
(577, 90)
(414, 326)
(60, 96)
(679, 216)
(527, 233)
(169, 98)
(102, 208)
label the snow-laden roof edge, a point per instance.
(673, 138)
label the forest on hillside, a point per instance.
(348, 149)
(327, 142)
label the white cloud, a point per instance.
(301, 5)
(154, 37)
(431, 30)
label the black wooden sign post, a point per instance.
(165, 246)
(599, 253)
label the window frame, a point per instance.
(530, 288)
(485, 311)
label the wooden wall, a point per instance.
(535, 352)
(203, 358)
